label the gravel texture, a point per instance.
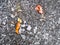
(33, 31)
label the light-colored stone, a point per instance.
(59, 38)
(38, 33)
(30, 33)
(12, 25)
(12, 16)
(3, 23)
(12, 9)
(21, 30)
(6, 17)
(29, 27)
(0, 20)
(23, 25)
(59, 21)
(45, 36)
(35, 29)
(36, 43)
(24, 22)
(3, 35)
(36, 37)
(23, 37)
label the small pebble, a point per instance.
(9, 2)
(3, 23)
(46, 36)
(59, 38)
(30, 33)
(35, 29)
(6, 17)
(38, 33)
(21, 30)
(24, 22)
(0, 7)
(23, 25)
(41, 19)
(23, 37)
(19, 10)
(29, 27)
(12, 9)
(45, 42)
(7, 44)
(12, 16)
(3, 35)
(36, 36)
(0, 20)
(59, 21)
(36, 43)
(12, 25)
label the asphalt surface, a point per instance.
(33, 31)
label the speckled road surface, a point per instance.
(33, 31)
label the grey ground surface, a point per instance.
(33, 30)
